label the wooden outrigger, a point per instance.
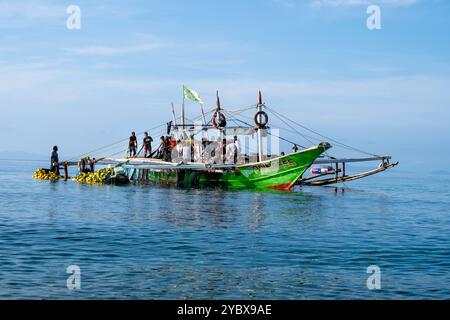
(316, 180)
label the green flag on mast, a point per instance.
(191, 95)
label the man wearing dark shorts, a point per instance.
(54, 160)
(132, 144)
(147, 145)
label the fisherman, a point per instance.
(179, 148)
(132, 144)
(160, 152)
(54, 160)
(147, 145)
(167, 152)
(237, 149)
(84, 162)
(188, 150)
(294, 148)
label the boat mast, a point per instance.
(219, 131)
(182, 111)
(260, 143)
(173, 115)
(174, 121)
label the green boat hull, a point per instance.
(279, 173)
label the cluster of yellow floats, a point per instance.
(43, 174)
(98, 177)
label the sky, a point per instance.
(385, 91)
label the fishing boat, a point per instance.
(229, 151)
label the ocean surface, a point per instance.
(147, 242)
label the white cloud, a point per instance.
(338, 3)
(30, 9)
(142, 43)
(106, 51)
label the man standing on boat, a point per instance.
(236, 149)
(132, 144)
(162, 148)
(167, 154)
(54, 160)
(147, 145)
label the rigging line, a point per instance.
(115, 147)
(269, 133)
(241, 109)
(296, 132)
(236, 119)
(104, 149)
(232, 119)
(113, 154)
(304, 136)
(199, 118)
(310, 141)
(112, 144)
(323, 136)
(151, 130)
(95, 151)
(248, 124)
(124, 140)
(246, 117)
(284, 139)
(325, 151)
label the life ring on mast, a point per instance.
(261, 124)
(219, 120)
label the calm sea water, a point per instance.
(139, 242)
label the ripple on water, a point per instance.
(147, 242)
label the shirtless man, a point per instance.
(132, 144)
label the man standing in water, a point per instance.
(54, 160)
(132, 145)
(147, 145)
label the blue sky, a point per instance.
(385, 90)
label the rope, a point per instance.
(284, 139)
(152, 133)
(304, 136)
(241, 109)
(112, 144)
(269, 133)
(323, 136)
(293, 128)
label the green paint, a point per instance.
(280, 172)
